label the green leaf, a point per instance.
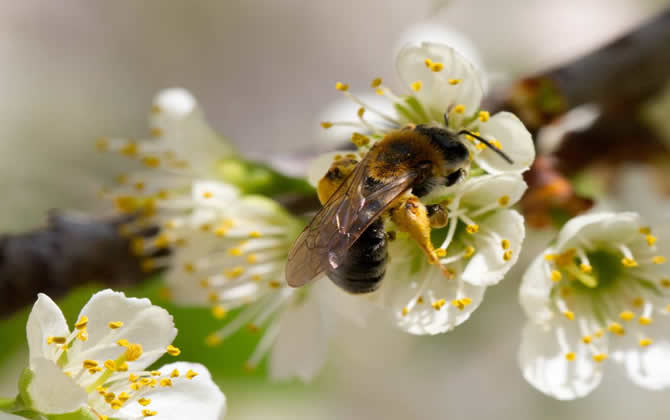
(258, 178)
(24, 381)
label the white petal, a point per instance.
(185, 131)
(482, 190)
(45, 320)
(302, 344)
(535, 290)
(487, 266)
(436, 93)
(197, 398)
(544, 365)
(320, 165)
(209, 192)
(143, 323)
(610, 228)
(51, 391)
(516, 142)
(649, 367)
(345, 110)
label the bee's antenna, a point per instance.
(490, 146)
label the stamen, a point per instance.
(616, 328)
(454, 82)
(600, 357)
(438, 304)
(556, 276)
(342, 87)
(484, 116)
(173, 351)
(437, 67)
(416, 86)
(82, 323)
(644, 342)
(627, 316)
(570, 356)
(376, 82)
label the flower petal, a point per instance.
(482, 190)
(197, 398)
(45, 320)
(182, 128)
(544, 364)
(602, 227)
(515, 140)
(535, 290)
(649, 366)
(301, 347)
(143, 323)
(491, 261)
(436, 93)
(51, 391)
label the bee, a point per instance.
(347, 239)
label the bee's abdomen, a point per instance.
(365, 264)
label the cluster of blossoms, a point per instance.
(227, 249)
(483, 237)
(99, 369)
(599, 293)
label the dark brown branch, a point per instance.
(70, 251)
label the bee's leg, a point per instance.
(438, 215)
(411, 216)
(331, 181)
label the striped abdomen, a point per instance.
(365, 264)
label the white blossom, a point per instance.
(599, 294)
(100, 366)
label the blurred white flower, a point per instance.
(99, 367)
(599, 293)
(232, 253)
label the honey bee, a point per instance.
(347, 239)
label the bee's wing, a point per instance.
(349, 211)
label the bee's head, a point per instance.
(455, 153)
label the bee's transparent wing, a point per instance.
(350, 210)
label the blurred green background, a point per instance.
(263, 71)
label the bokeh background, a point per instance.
(263, 70)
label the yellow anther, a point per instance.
(441, 252)
(234, 272)
(122, 367)
(174, 373)
(437, 67)
(507, 255)
(644, 342)
(129, 150)
(151, 162)
(101, 390)
(115, 325)
(88, 364)
(149, 413)
(191, 374)
(599, 333)
(219, 312)
(428, 62)
(570, 356)
(189, 267)
(645, 230)
(82, 335)
(101, 144)
(556, 276)
(587, 339)
(110, 396)
(110, 365)
(207, 194)
(480, 146)
(484, 116)
(213, 340)
(82, 323)
(376, 82)
(342, 87)
(155, 373)
(133, 377)
(326, 124)
(56, 340)
(380, 91)
(438, 304)
(416, 86)
(360, 112)
(454, 82)
(144, 401)
(255, 234)
(163, 194)
(504, 244)
(627, 316)
(123, 342)
(360, 140)
(651, 240)
(616, 328)
(638, 302)
(419, 300)
(665, 282)
(566, 257)
(586, 268)
(213, 297)
(550, 257)
(459, 109)
(659, 259)
(166, 382)
(124, 396)
(95, 370)
(569, 315)
(469, 251)
(274, 284)
(135, 386)
(629, 262)
(205, 227)
(235, 252)
(133, 352)
(472, 229)
(458, 303)
(156, 132)
(145, 381)
(173, 351)
(600, 357)
(496, 143)
(404, 311)
(643, 320)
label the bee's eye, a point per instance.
(455, 177)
